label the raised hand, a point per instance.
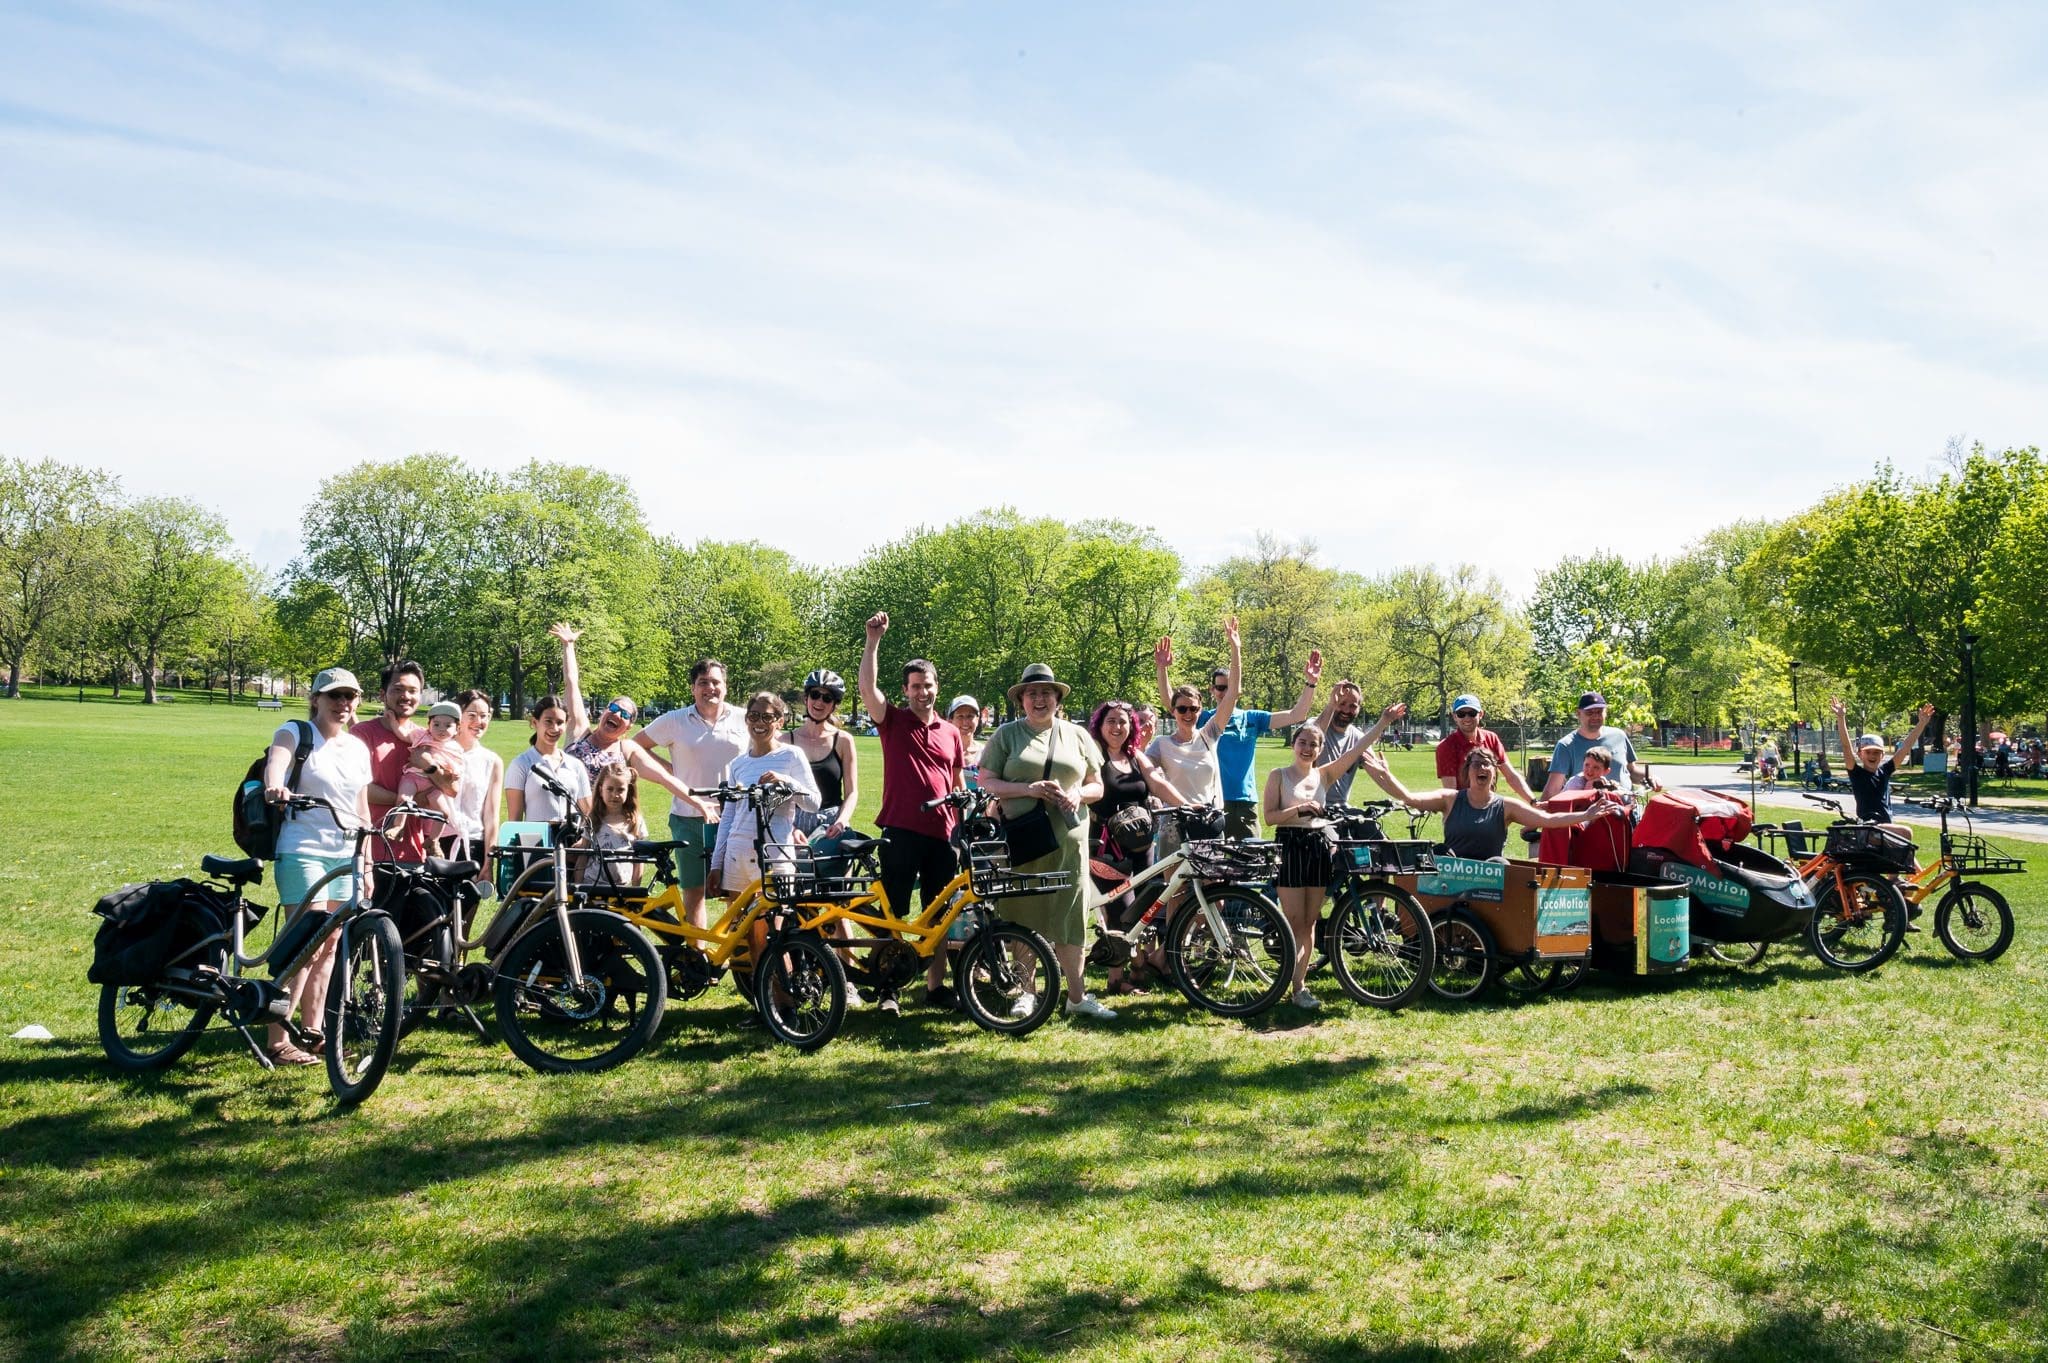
(1162, 652)
(1313, 671)
(1927, 712)
(1231, 633)
(1394, 712)
(568, 634)
(878, 625)
(1371, 760)
(1837, 709)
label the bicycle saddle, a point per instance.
(853, 844)
(450, 870)
(234, 870)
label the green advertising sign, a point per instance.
(1463, 878)
(1668, 933)
(1710, 888)
(1563, 912)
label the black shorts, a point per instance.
(1240, 819)
(1305, 862)
(911, 860)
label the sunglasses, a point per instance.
(1187, 709)
(767, 716)
(821, 695)
(621, 711)
(344, 696)
(1465, 714)
(1219, 686)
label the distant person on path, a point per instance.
(1237, 748)
(923, 757)
(1870, 780)
(1342, 736)
(1041, 759)
(527, 795)
(702, 739)
(1593, 732)
(475, 829)
(313, 842)
(1468, 717)
(735, 861)
(606, 743)
(835, 765)
(389, 737)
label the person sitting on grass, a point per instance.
(1476, 818)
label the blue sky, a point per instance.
(1484, 283)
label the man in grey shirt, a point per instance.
(1593, 732)
(1341, 732)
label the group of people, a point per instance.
(1081, 777)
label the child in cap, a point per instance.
(434, 769)
(1870, 779)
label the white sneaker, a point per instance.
(1304, 999)
(1025, 1006)
(1089, 1008)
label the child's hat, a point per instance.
(444, 709)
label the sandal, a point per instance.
(285, 1053)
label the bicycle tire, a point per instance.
(1962, 900)
(1007, 979)
(1739, 954)
(1466, 960)
(607, 1021)
(1240, 977)
(365, 1005)
(1382, 946)
(130, 1043)
(425, 998)
(1841, 935)
(800, 992)
(1527, 979)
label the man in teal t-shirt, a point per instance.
(1237, 746)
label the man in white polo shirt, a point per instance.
(702, 739)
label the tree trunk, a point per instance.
(14, 678)
(518, 680)
(149, 678)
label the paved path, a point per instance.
(2030, 825)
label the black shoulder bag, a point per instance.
(1030, 835)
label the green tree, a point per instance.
(1452, 632)
(1284, 602)
(173, 573)
(1119, 589)
(744, 604)
(53, 553)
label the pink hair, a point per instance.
(1095, 727)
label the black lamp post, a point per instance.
(1695, 724)
(1795, 716)
(1969, 743)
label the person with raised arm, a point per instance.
(1870, 779)
(1237, 745)
(922, 759)
(606, 743)
(1341, 734)
(1186, 754)
(1476, 817)
(1295, 798)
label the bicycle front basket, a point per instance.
(1244, 863)
(1878, 846)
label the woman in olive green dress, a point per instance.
(1013, 765)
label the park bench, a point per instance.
(271, 704)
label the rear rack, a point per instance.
(797, 874)
(1971, 853)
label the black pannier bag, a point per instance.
(149, 928)
(415, 902)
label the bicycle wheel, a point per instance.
(141, 1029)
(1007, 979)
(1382, 949)
(561, 1027)
(1527, 979)
(1974, 922)
(800, 990)
(1862, 934)
(365, 1004)
(1239, 966)
(1464, 957)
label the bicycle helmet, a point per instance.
(826, 680)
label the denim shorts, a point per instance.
(296, 873)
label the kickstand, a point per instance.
(262, 1056)
(475, 1021)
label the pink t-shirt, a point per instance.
(389, 753)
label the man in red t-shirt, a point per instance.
(922, 757)
(389, 737)
(1466, 735)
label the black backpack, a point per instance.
(256, 819)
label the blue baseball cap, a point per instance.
(1467, 702)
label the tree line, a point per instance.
(1871, 592)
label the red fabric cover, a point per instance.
(1602, 845)
(1691, 824)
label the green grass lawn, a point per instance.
(1728, 1165)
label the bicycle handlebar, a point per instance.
(1835, 805)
